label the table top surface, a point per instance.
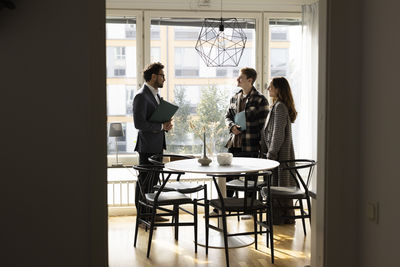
(238, 165)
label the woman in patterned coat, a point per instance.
(277, 143)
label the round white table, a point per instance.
(238, 165)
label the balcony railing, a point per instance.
(121, 185)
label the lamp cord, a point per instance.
(221, 11)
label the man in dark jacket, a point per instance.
(151, 135)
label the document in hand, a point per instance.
(240, 119)
(163, 112)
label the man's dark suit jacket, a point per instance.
(150, 139)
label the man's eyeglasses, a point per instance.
(162, 75)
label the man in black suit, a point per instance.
(151, 135)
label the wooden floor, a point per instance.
(292, 248)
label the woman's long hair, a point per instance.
(285, 96)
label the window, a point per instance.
(279, 61)
(201, 92)
(186, 62)
(186, 33)
(285, 45)
(130, 94)
(125, 143)
(120, 53)
(119, 72)
(155, 32)
(155, 54)
(285, 60)
(115, 30)
(130, 31)
(112, 141)
(279, 33)
(116, 98)
(188, 95)
(249, 34)
(121, 79)
(119, 106)
(221, 72)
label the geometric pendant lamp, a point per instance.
(221, 42)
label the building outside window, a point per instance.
(120, 53)
(130, 31)
(186, 62)
(279, 33)
(186, 33)
(201, 92)
(279, 61)
(119, 71)
(121, 80)
(285, 60)
(221, 72)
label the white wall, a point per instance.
(53, 150)
(380, 132)
(362, 133)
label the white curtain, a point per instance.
(305, 126)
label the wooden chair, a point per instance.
(237, 185)
(159, 200)
(180, 186)
(298, 169)
(247, 205)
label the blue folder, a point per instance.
(240, 119)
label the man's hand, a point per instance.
(167, 125)
(235, 129)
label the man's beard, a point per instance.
(159, 85)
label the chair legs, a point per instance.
(302, 216)
(309, 209)
(268, 224)
(237, 195)
(176, 211)
(255, 229)
(207, 213)
(153, 215)
(137, 224)
(225, 240)
(270, 232)
(271, 237)
(175, 214)
(195, 224)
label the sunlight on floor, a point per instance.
(292, 248)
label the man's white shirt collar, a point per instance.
(154, 91)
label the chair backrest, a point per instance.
(293, 166)
(250, 189)
(152, 173)
(160, 158)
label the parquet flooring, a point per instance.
(292, 248)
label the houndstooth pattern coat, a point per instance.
(277, 141)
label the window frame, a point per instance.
(257, 16)
(267, 16)
(118, 13)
